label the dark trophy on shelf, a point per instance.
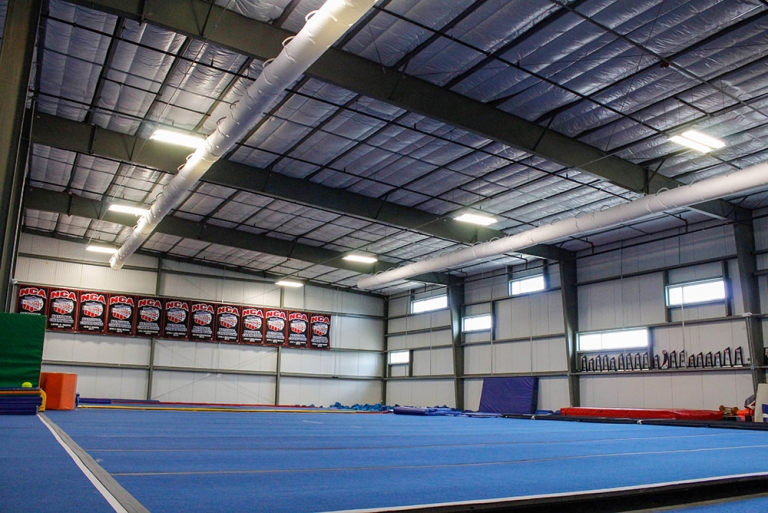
(620, 364)
(583, 364)
(664, 360)
(591, 365)
(656, 364)
(612, 364)
(718, 361)
(692, 362)
(727, 357)
(700, 360)
(708, 360)
(681, 359)
(605, 362)
(646, 361)
(673, 360)
(630, 365)
(637, 362)
(598, 364)
(738, 357)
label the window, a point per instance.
(399, 357)
(697, 292)
(429, 304)
(526, 285)
(614, 340)
(477, 323)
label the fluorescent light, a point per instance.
(697, 141)
(361, 258)
(699, 137)
(101, 249)
(127, 209)
(190, 141)
(289, 283)
(476, 219)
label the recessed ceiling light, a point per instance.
(476, 219)
(698, 141)
(178, 138)
(363, 259)
(101, 249)
(289, 283)
(127, 209)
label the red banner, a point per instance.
(121, 315)
(320, 331)
(202, 323)
(62, 313)
(33, 300)
(149, 316)
(93, 312)
(253, 326)
(176, 324)
(276, 327)
(298, 329)
(228, 323)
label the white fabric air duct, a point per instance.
(683, 196)
(327, 25)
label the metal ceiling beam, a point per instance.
(366, 77)
(62, 203)
(83, 138)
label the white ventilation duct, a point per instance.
(327, 25)
(683, 196)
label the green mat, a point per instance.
(21, 349)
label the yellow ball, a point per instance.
(26, 384)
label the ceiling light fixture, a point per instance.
(363, 259)
(189, 141)
(127, 209)
(476, 219)
(101, 249)
(698, 141)
(289, 283)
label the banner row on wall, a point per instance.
(86, 311)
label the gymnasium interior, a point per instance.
(383, 255)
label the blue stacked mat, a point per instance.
(20, 404)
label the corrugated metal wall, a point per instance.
(120, 367)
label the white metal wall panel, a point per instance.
(325, 392)
(67, 250)
(553, 393)
(696, 272)
(422, 393)
(202, 355)
(478, 336)
(477, 359)
(692, 390)
(399, 306)
(437, 337)
(74, 347)
(495, 287)
(192, 287)
(95, 382)
(84, 276)
(478, 309)
(357, 333)
(198, 387)
(325, 300)
(715, 242)
(473, 389)
(628, 302)
(246, 358)
(531, 315)
(332, 363)
(433, 362)
(696, 338)
(541, 355)
(760, 228)
(694, 312)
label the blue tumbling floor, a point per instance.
(37, 474)
(308, 462)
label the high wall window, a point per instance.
(429, 304)
(477, 323)
(696, 292)
(614, 340)
(399, 357)
(526, 285)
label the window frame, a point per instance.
(603, 349)
(527, 278)
(426, 300)
(683, 285)
(406, 352)
(476, 330)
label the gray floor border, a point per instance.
(126, 500)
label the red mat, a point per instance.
(643, 413)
